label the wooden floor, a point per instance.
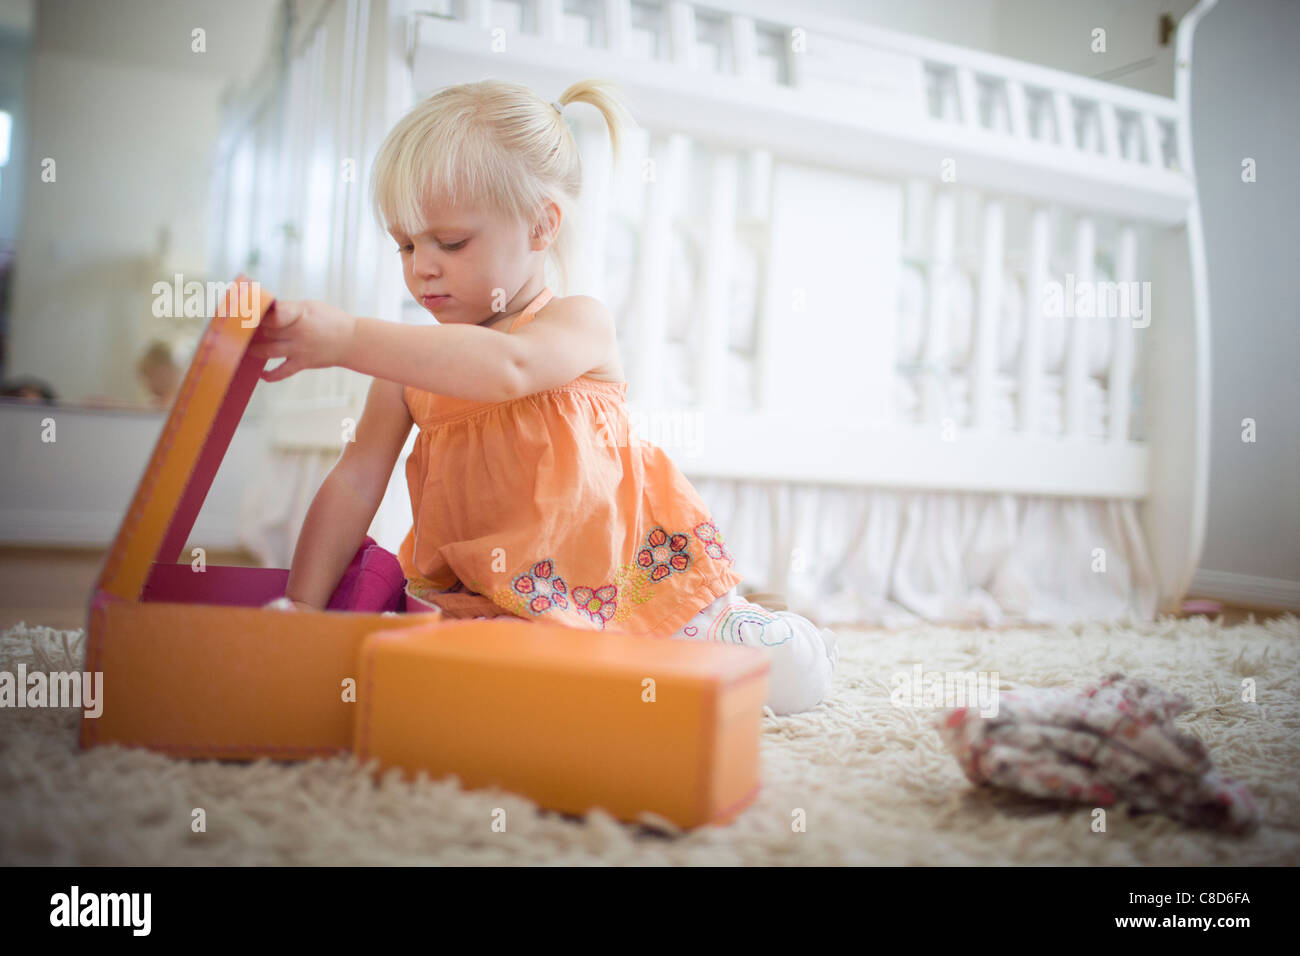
(50, 587)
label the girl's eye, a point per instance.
(454, 247)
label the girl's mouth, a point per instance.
(433, 301)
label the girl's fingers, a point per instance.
(284, 313)
(268, 350)
(281, 372)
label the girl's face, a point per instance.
(468, 265)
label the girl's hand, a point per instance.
(307, 334)
(287, 604)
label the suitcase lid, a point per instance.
(207, 408)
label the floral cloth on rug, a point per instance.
(1108, 742)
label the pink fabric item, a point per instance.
(373, 582)
(1109, 742)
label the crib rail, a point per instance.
(835, 92)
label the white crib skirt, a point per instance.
(889, 558)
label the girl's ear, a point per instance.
(547, 227)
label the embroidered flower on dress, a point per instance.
(714, 546)
(664, 553)
(598, 605)
(542, 588)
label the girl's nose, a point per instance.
(426, 260)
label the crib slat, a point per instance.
(1031, 350)
(550, 20)
(794, 63)
(709, 354)
(1121, 371)
(990, 316)
(681, 28)
(1064, 119)
(1151, 133)
(949, 97)
(646, 335)
(586, 275)
(1017, 109)
(968, 94)
(915, 193)
(756, 204)
(999, 106)
(744, 46)
(618, 25)
(1130, 141)
(1076, 359)
(1109, 130)
(933, 383)
(478, 13)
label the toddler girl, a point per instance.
(526, 485)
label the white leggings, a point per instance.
(802, 656)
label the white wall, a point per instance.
(1059, 34)
(1245, 90)
(74, 490)
(1053, 33)
(963, 22)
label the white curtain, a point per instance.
(278, 494)
(276, 499)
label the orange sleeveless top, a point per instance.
(544, 506)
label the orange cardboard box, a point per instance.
(573, 719)
(191, 664)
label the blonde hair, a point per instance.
(494, 145)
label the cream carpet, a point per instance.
(872, 780)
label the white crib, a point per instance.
(872, 252)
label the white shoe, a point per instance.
(832, 642)
(801, 655)
(802, 667)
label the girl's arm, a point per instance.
(348, 498)
(568, 338)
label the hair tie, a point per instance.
(558, 108)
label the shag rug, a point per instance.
(873, 780)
